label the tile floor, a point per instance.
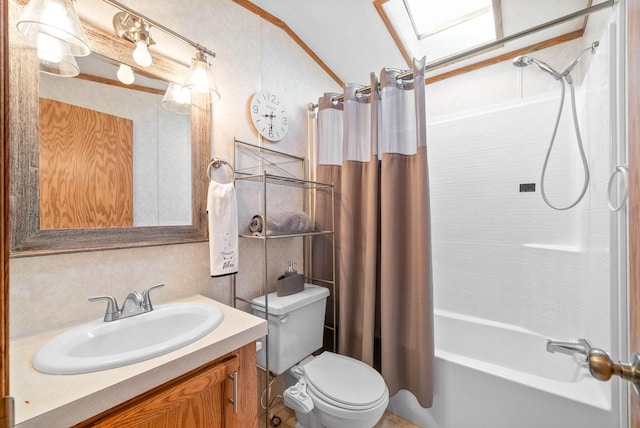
(288, 419)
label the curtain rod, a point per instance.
(470, 52)
(160, 27)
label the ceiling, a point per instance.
(351, 38)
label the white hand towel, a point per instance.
(223, 228)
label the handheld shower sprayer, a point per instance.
(523, 61)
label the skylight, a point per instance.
(437, 29)
(433, 16)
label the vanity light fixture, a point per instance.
(56, 18)
(136, 30)
(200, 77)
(54, 57)
(134, 27)
(177, 99)
(125, 74)
(53, 27)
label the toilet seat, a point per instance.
(345, 383)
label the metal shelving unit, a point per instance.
(265, 181)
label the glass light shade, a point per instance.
(177, 99)
(125, 74)
(141, 54)
(54, 57)
(56, 18)
(200, 78)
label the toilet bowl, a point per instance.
(329, 390)
(336, 391)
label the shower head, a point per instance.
(523, 61)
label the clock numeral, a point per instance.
(254, 108)
(284, 120)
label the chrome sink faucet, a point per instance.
(135, 304)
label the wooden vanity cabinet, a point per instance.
(200, 398)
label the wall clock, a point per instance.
(269, 115)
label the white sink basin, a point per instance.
(101, 345)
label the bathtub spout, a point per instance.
(582, 347)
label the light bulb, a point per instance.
(199, 79)
(141, 54)
(58, 19)
(56, 12)
(183, 95)
(177, 99)
(49, 48)
(125, 74)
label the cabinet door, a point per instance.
(198, 399)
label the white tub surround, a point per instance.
(61, 401)
(491, 374)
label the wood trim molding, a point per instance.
(27, 239)
(379, 5)
(503, 57)
(283, 25)
(6, 402)
(408, 58)
(119, 84)
(4, 201)
(633, 114)
(497, 18)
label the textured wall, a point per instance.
(50, 292)
(504, 255)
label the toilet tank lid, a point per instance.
(284, 305)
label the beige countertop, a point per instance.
(64, 400)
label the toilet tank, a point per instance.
(296, 326)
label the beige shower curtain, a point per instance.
(385, 292)
(328, 170)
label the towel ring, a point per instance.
(217, 163)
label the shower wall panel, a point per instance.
(500, 253)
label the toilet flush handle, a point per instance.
(284, 319)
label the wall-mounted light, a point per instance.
(177, 99)
(200, 77)
(125, 74)
(135, 30)
(54, 57)
(53, 27)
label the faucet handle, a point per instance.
(112, 307)
(585, 343)
(146, 300)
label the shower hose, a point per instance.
(583, 157)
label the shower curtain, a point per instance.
(373, 149)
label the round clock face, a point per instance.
(269, 115)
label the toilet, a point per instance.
(328, 390)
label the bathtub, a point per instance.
(493, 375)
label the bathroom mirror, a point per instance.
(112, 132)
(27, 237)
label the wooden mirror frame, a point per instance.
(26, 238)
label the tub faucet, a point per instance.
(577, 350)
(135, 304)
